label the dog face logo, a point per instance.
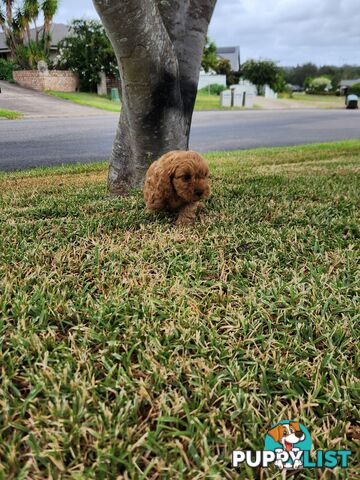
(288, 439)
(287, 434)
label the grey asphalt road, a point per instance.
(54, 141)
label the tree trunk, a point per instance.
(46, 34)
(158, 45)
(8, 29)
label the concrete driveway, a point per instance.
(34, 104)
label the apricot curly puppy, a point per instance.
(177, 182)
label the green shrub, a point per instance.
(6, 69)
(29, 55)
(213, 89)
(286, 94)
(319, 86)
(87, 52)
(355, 89)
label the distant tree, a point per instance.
(87, 52)
(280, 84)
(328, 70)
(302, 74)
(350, 71)
(355, 89)
(298, 74)
(210, 58)
(336, 78)
(261, 73)
(307, 82)
(224, 68)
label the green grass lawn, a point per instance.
(134, 349)
(203, 102)
(302, 97)
(10, 114)
(88, 99)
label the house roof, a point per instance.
(349, 83)
(232, 54)
(58, 32)
(3, 45)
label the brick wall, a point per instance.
(58, 80)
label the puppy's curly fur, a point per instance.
(177, 182)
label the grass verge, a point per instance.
(303, 97)
(315, 101)
(88, 99)
(133, 349)
(203, 101)
(10, 114)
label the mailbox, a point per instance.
(225, 98)
(352, 101)
(115, 95)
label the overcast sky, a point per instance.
(288, 31)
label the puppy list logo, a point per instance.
(288, 446)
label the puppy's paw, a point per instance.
(187, 215)
(184, 222)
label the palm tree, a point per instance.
(6, 22)
(9, 5)
(19, 24)
(31, 12)
(16, 25)
(49, 8)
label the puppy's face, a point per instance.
(191, 177)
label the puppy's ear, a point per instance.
(170, 168)
(295, 425)
(276, 433)
(164, 176)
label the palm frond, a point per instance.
(31, 9)
(49, 8)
